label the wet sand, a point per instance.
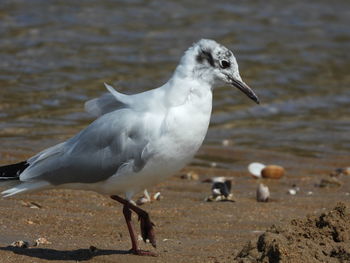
(188, 229)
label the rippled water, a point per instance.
(54, 55)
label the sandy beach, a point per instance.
(188, 229)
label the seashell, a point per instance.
(256, 168)
(31, 205)
(142, 200)
(227, 142)
(20, 244)
(340, 171)
(146, 195)
(213, 164)
(190, 176)
(146, 198)
(273, 171)
(292, 191)
(157, 196)
(330, 182)
(41, 240)
(262, 193)
(346, 171)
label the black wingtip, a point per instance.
(12, 171)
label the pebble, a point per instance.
(262, 193)
(142, 200)
(340, 171)
(147, 199)
(346, 171)
(20, 244)
(190, 176)
(292, 191)
(273, 172)
(30, 222)
(157, 196)
(31, 205)
(213, 164)
(227, 142)
(41, 241)
(330, 182)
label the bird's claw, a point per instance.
(147, 230)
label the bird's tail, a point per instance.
(12, 171)
(9, 174)
(9, 177)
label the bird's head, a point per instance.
(215, 64)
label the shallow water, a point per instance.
(54, 55)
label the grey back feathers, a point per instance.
(115, 146)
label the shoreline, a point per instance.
(187, 227)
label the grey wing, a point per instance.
(95, 154)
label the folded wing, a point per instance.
(94, 154)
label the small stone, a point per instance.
(41, 240)
(273, 171)
(157, 196)
(142, 200)
(30, 222)
(330, 182)
(340, 171)
(190, 176)
(227, 142)
(346, 171)
(213, 164)
(262, 193)
(20, 244)
(31, 205)
(292, 191)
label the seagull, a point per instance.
(136, 140)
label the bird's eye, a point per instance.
(224, 64)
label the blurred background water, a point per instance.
(55, 55)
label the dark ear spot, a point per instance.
(205, 55)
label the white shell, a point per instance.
(256, 168)
(157, 196)
(262, 193)
(292, 191)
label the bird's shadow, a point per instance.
(53, 254)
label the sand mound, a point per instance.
(324, 238)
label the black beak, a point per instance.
(245, 89)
